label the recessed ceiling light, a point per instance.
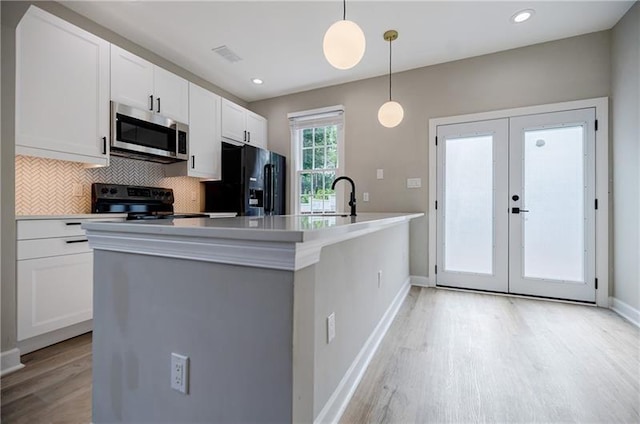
(522, 16)
(257, 81)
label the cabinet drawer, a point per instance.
(54, 293)
(47, 228)
(42, 248)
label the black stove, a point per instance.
(138, 202)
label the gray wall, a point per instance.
(569, 69)
(346, 283)
(10, 17)
(625, 112)
(11, 14)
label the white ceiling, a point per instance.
(281, 42)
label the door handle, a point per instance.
(151, 103)
(518, 210)
(193, 161)
(249, 136)
(245, 136)
(158, 104)
(104, 145)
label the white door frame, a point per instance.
(601, 106)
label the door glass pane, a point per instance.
(553, 229)
(468, 214)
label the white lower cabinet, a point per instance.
(55, 280)
(54, 293)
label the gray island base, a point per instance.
(247, 299)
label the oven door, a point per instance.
(148, 133)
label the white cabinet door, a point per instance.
(171, 95)
(131, 79)
(256, 130)
(233, 121)
(204, 133)
(62, 90)
(53, 293)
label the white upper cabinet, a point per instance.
(242, 125)
(62, 90)
(171, 95)
(233, 121)
(139, 83)
(204, 137)
(257, 130)
(131, 79)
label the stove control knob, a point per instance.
(104, 190)
(113, 191)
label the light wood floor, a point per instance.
(461, 357)
(53, 387)
(448, 357)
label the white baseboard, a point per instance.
(53, 337)
(338, 401)
(625, 310)
(420, 281)
(10, 361)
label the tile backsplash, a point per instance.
(45, 186)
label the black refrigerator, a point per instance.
(253, 182)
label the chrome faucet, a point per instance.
(352, 197)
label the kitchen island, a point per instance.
(249, 301)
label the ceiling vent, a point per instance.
(227, 53)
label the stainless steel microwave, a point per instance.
(142, 134)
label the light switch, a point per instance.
(365, 196)
(380, 174)
(414, 182)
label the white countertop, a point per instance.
(288, 242)
(108, 215)
(74, 216)
(282, 228)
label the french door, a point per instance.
(515, 205)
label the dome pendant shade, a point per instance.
(344, 44)
(390, 114)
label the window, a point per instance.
(316, 141)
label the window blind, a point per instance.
(311, 119)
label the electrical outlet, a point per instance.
(180, 373)
(380, 174)
(379, 278)
(365, 196)
(331, 327)
(77, 190)
(414, 182)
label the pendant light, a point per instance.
(344, 42)
(391, 113)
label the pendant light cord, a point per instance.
(389, 69)
(344, 10)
